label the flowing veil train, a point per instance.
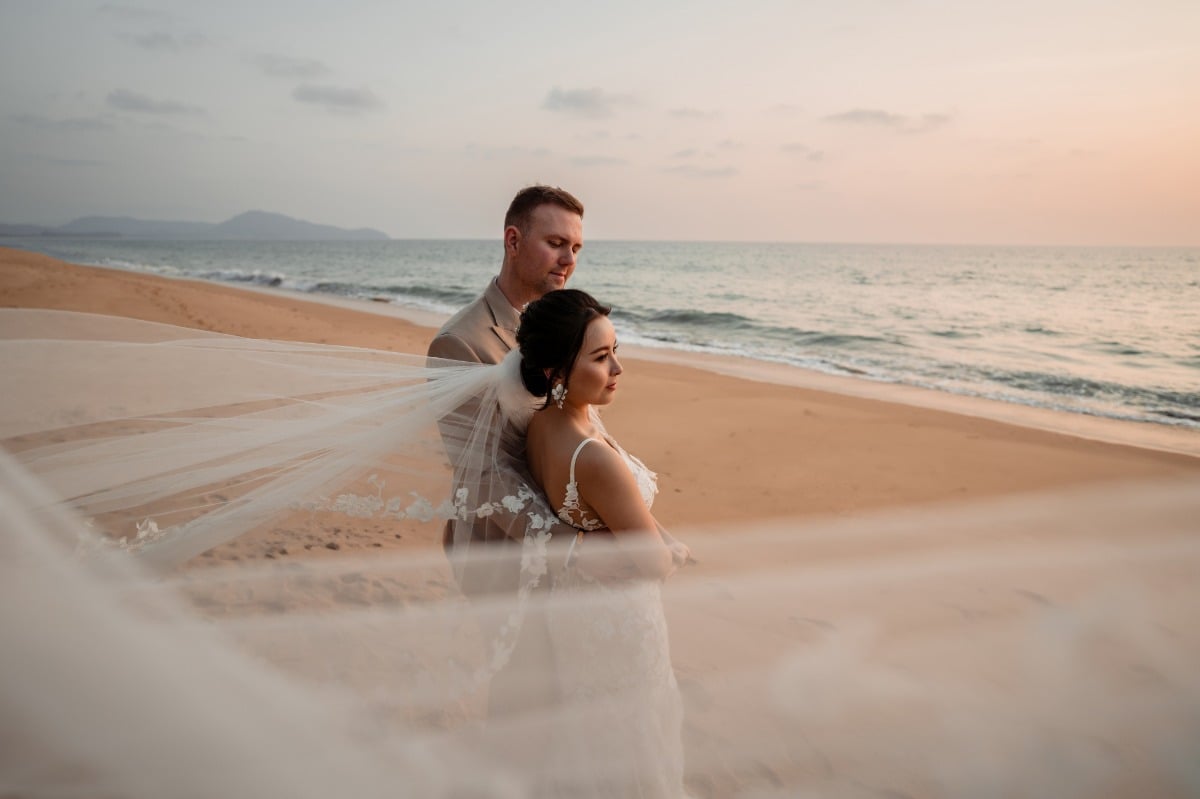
(1031, 646)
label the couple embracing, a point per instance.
(610, 659)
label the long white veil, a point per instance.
(174, 441)
(1033, 646)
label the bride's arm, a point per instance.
(609, 488)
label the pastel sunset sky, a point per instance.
(1018, 122)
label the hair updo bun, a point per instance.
(551, 333)
(535, 379)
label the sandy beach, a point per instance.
(904, 508)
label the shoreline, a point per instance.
(732, 439)
(1146, 435)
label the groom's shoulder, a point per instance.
(471, 316)
(460, 336)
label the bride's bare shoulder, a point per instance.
(600, 463)
(554, 438)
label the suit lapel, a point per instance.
(504, 315)
(505, 335)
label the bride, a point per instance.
(612, 655)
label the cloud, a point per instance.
(869, 116)
(729, 144)
(68, 125)
(598, 160)
(593, 103)
(125, 100)
(874, 117)
(337, 98)
(691, 171)
(804, 150)
(282, 66)
(809, 185)
(693, 113)
(169, 42)
(688, 153)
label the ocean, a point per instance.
(1107, 332)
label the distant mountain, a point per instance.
(265, 225)
(250, 226)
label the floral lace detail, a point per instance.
(147, 532)
(571, 506)
(575, 514)
(418, 508)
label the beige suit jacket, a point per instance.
(482, 332)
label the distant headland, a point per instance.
(249, 226)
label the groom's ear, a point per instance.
(512, 237)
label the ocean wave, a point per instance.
(444, 300)
(452, 297)
(715, 327)
(690, 317)
(132, 266)
(256, 277)
(1158, 401)
(848, 340)
(1184, 416)
(1116, 348)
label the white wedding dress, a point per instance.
(613, 662)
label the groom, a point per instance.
(543, 233)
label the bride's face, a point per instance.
(594, 375)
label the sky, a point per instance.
(972, 122)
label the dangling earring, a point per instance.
(558, 394)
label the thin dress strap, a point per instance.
(576, 457)
(570, 485)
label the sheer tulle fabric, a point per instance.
(1037, 646)
(179, 440)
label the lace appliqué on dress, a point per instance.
(572, 511)
(573, 514)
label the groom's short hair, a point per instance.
(530, 197)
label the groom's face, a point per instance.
(544, 255)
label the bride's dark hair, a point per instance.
(550, 335)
